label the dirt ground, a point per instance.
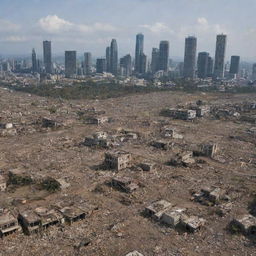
(117, 226)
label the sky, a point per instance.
(89, 25)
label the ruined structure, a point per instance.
(162, 144)
(97, 120)
(182, 114)
(8, 223)
(118, 160)
(124, 184)
(207, 150)
(245, 224)
(3, 184)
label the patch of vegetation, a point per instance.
(19, 180)
(50, 184)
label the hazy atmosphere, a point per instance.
(89, 25)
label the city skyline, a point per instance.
(41, 20)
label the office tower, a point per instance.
(234, 65)
(202, 64)
(190, 57)
(114, 57)
(87, 63)
(34, 62)
(143, 63)
(70, 63)
(221, 42)
(126, 65)
(155, 60)
(164, 56)
(139, 52)
(210, 67)
(47, 49)
(108, 59)
(101, 65)
(254, 72)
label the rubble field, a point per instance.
(152, 157)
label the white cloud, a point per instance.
(13, 39)
(158, 28)
(55, 25)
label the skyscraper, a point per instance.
(220, 56)
(190, 57)
(87, 63)
(101, 65)
(70, 63)
(210, 67)
(202, 64)
(155, 60)
(126, 65)
(143, 63)
(164, 56)
(34, 62)
(108, 59)
(47, 49)
(254, 72)
(234, 65)
(139, 52)
(114, 57)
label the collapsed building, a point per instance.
(118, 160)
(162, 144)
(8, 223)
(206, 150)
(210, 196)
(147, 166)
(124, 184)
(166, 213)
(182, 114)
(245, 224)
(3, 184)
(183, 159)
(171, 133)
(97, 120)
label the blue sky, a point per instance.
(89, 25)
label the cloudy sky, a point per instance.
(89, 25)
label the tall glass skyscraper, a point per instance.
(114, 57)
(190, 57)
(47, 49)
(164, 56)
(139, 51)
(220, 56)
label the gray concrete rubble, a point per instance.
(183, 159)
(3, 184)
(206, 150)
(172, 216)
(147, 166)
(156, 209)
(134, 253)
(97, 120)
(182, 114)
(192, 223)
(171, 133)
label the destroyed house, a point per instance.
(157, 209)
(171, 133)
(97, 120)
(124, 184)
(8, 223)
(3, 184)
(49, 123)
(72, 214)
(207, 150)
(29, 221)
(162, 144)
(245, 224)
(147, 166)
(182, 114)
(201, 110)
(118, 160)
(49, 217)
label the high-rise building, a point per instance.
(87, 63)
(139, 52)
(101, 65)
(234, 65)
(126, 65)
(70, 63)
(254, 71)
(143, 63)
(221, 42)
(34, 62)
(190, 57)
(114, 57)
(202, 64)
(47, 49)
(108, 59)
(155, 60)
(210, 67)
(164, 56)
